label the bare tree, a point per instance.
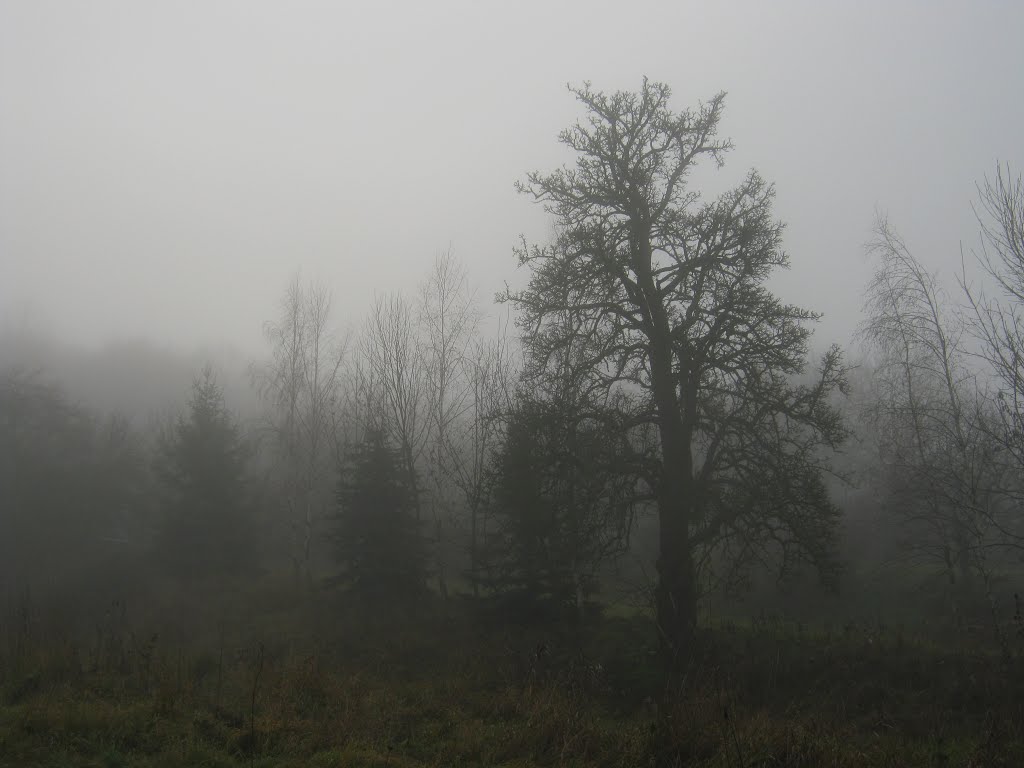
(998, 323)
(396, 369)
(932, 414)
(672, 293)
(998, 326)
(448, 319)
(361, 410)
(490, 373)
(302, 384)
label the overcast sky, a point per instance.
(166, 166)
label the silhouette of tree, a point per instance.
(74, 486)
(201, 462)
(302, 385)
(562, 497)
(670, 294)
(378, 541)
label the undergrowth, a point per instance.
(437, 686)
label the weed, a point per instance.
(452, 693)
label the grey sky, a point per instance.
(165, 167)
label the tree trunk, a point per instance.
(966, 593)
(676, 591)
(307, 544)
(473, 551)
(676, 594)
(442, 577)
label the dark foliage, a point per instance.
(378, 541)
(72, 486)
(562, 500)
(201, 462)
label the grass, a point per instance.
(440, 688)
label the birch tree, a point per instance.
(932, 413)
(448, 322)
(396, 369)
(302, 385)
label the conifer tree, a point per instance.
(378, 540)
(202, 464)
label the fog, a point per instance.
(511, 384)
(168, 166)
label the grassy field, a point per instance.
(444, 686)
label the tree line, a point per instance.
(651, 372)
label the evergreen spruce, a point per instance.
(378, 541)
(201, 462)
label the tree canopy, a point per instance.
(667, 294)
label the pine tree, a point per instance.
(563, 490)
(202, 464)
(378, 541)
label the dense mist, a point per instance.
(369, 396)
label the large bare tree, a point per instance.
(672, 292)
